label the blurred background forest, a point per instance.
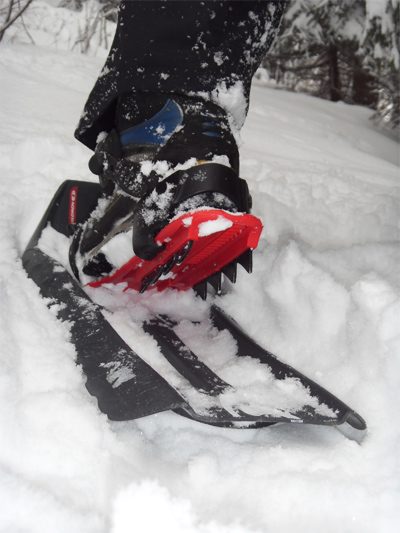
(340, 50)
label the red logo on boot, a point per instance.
(73, 195)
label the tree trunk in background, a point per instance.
(363, 92)
(334, 74)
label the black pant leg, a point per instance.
(182, 47)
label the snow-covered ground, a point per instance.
(324, 296)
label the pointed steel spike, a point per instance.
(246, 260)
(201, 289)
(230, 271)
(215, 280)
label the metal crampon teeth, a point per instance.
(201, 289)
(215, 280)
(246, 260)
(230, 271)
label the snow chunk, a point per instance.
(118, 250)
(118, 373)
(136, 503)
(214, 226)
(55, 245)
(233, 100)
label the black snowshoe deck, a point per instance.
(126, 387)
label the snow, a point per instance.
(324, 297)
(118, 250)
(232, 99)
(214, 226)
(47, 23)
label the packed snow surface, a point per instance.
(324, 297)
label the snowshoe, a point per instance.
(126, 387)
(173, 195)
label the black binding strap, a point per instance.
(109, 163)
(209, 177)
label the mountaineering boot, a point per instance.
(169, 156)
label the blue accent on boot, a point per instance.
(157, 130)
(211, 134)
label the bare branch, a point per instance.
(12, 19)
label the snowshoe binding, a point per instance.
(172, 198)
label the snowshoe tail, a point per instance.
(124, 385)
(319, 407)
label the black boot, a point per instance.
(168, 155)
